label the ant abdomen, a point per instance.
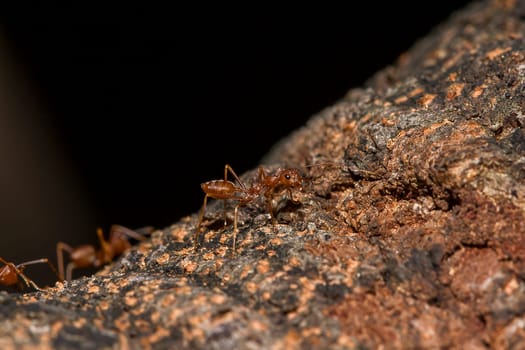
(219, 189)
(84, 255)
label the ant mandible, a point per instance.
(10, 273)
(86, 256)
(265, 185)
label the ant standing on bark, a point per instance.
(86, 256)
(10, 273)
(265, 185)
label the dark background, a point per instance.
(142, 103)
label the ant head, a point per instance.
(290, 178)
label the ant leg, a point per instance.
(69, 270)
(198, 229)
(40, 261)
(107, 252)
(60, 258)
(235, 228)
(224, 217)
(263, 179)
(32, 262)
(144, 231)
(28, 282)
(227, 168)
(115, 229)
(269, 208)
(269, 205)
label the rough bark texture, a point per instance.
(411, 235)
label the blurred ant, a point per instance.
(10, 273)
(86, 256)
(265, 185)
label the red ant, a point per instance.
(10, 273)
(85, 255)
(265, 185)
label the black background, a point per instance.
(147, 101)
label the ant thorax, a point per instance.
(282, 179)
